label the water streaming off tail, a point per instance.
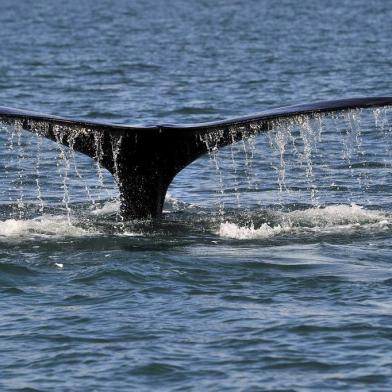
(303, 164)
(41, 177)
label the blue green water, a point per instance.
(271, 267)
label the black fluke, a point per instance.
(144, 160)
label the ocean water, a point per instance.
(271, 266)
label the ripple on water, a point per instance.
(271, 268)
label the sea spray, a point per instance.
(312, 156)
(38, 174)
(116, 143)
(330, 219)
(44, 226)
(20, 162)
(30, 184)
(63, 165)
(317, 160)
(210, 140)
(76, 169)
(235, 175)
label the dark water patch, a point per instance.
(78, 299)
(159, 290)
(366, 165)
(357, 329)
(388, 282)
(273, 265)
(366, 379)
(17, 270)
(156, 369)
(109, 275)
(299, 365)
(101, 115)
(12, 291)
(247, 299)
(15, 275)
(192, 110)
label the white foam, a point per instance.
(130, 234)
(44, 226)
(231, 230)
(109, 208)
(331, 219)
(172, 204)
(335, 216)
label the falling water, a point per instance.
(29, 176)
(235, 177)
(63, 165)
(210, 140)
(38, 174)
(318, 161)
(76, 169)
(311, 158)
(116, 143)
(21, 158)
(98, 159)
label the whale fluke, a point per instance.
(145, 159)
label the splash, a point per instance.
(331, 219)
(42, 227)
(108, 208)
(231, 230)
(316, 161)
(210, 140)
(30, 179)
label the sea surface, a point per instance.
(271, 268)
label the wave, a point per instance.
(43, 226)
(330, 219)
(108, 208)
(95, 221)
(266, 223)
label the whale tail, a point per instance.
(145, 160)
